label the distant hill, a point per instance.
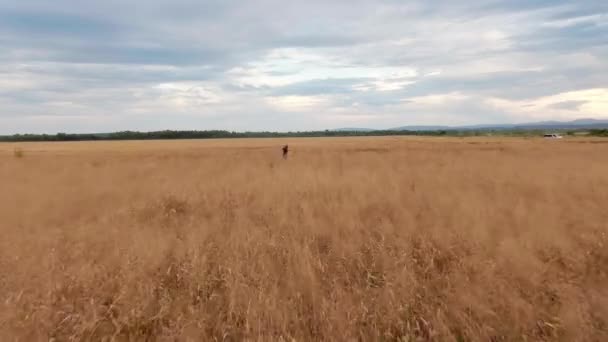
(593, 127)
(575, 124)
(353, 129)
(420, 128)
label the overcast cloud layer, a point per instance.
(92, 66)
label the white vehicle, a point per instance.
(552, 136)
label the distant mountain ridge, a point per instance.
(354, 129)
(574, 124)
(421, 128)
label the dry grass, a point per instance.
(18, 153)
(350, 239)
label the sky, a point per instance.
(286, 65)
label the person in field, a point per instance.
(285, 151)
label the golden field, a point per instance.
(371, 239)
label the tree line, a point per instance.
(217, 134)
(211, 134)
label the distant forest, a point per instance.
(218, 134)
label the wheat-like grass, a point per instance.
(350, 239)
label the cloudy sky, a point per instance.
(91, 66)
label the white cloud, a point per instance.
(188, 94)
(437, 99)
(283, 67)
(297, 103)
(593, 104)
(381, 63)
(594, 19)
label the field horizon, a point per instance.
(362, 239)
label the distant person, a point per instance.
(285, 151)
